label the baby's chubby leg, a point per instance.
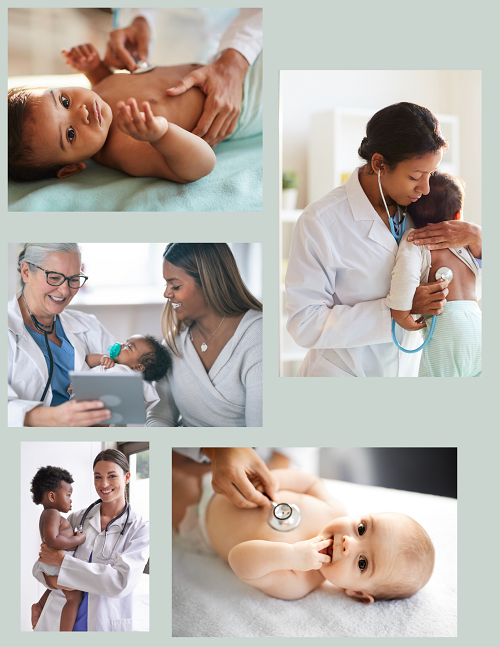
(70, 609)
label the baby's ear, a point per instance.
(71, 169)
(140, 367)
(364, 597)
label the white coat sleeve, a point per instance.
(113, 581)
(17, 408)
(165, 413)
(253, 387)
(315, 320)
(194, 453)
(244, 34)
(405, 276)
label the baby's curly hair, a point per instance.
(48, 479)
(25, 165)
(444, 200)
(414, 565)
(157, 362)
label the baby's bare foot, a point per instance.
(36, 612)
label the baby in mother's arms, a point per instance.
(141, 353)
(126, 121)
(455, 347)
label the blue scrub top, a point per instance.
(83, 609)
(64, 361)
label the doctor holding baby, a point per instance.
(107, 567)
(226, 41)
(37, 318)
(344, 250)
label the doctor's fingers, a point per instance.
(233, 494)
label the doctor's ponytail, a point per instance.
(400, 132)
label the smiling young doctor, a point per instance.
(39, 326)
(108, 566)
(344, 249)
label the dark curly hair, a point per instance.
(157, 362)
(24, 163)
(48, 479)
(400, 132)
(444, 200)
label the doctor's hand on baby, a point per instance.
(430, 298)
(143, 126)
(307, 555)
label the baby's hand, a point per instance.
(107, 362)
(80, 537)
(82, 57)
(143, 126)
(70, 388)
(406, 321)
(307, 556)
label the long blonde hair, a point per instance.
(214, 270)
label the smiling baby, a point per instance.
(372, 557)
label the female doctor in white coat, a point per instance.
(50, 278)
(108, 566)
(344, 249)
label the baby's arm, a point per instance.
(95, 359)
(405, 280)
(85, 59)
(188, 157)
(287, 571)
(50, 524)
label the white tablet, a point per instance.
(123, 395)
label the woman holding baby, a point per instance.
(344, 250)
(212, 325)
(38, 322)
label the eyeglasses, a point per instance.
(54, 278)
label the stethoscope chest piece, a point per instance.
(143, 66)
(284, 516)
(444, 273)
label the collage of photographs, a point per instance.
(356, 206)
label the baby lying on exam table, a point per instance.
(372, 557)
(51, 487)
(455, 349)
(144, 354)
(53, 131)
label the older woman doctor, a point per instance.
(108, 566)
(344, 249)
(38, 321)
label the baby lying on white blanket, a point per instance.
(372, 557)
(139, 353)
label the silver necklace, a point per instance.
(204, 345)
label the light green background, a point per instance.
(437, 34)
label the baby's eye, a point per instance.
(362, 563)
(71, 135)
(64, 101)
(361, 529)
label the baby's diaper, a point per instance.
(192, 528)
(250, 120)
(53, 570)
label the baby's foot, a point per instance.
(36, 612)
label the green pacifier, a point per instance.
(114, 350)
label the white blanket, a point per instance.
(209, 600)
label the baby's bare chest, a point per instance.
(228, 525)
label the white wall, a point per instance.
(304, 92)
(77, 458)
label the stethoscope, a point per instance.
(84, 517)
(402, 224)
(442, 273)
(41, 329)
(283, 516)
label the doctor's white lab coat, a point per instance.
(27, 368)
(110, 583)
(339, 274)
